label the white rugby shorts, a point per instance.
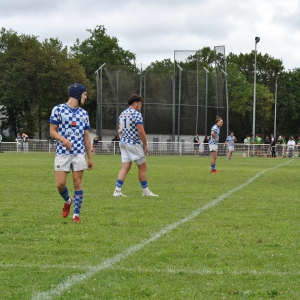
(131, 153)
(230, 148)
(213, 148)
(67, 163)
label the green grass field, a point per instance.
(232, 235)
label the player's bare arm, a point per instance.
(88, 149)
(213, 135)
(143, 136)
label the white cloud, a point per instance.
(153, 29)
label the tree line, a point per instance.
(34, 77)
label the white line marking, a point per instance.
(209, 272)
(70, 281)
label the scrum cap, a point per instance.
(76, 90)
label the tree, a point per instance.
(288, 104)
(268, 69)
(34, 77)
(93, 52)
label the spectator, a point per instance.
(25, 142)
(272, 146)
(247, 141)
(290, 147)
(279, 147)
(52, 144)
(95, 143)
(1, 144)
(18, 141)
(115, 143)
(205, 145)
(196, 144)
(298, 146)
(267, 143)
(258, 141)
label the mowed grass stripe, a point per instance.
(222, 240)
(71, 281)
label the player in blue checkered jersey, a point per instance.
(230, 141)
(133, 145)
(69, 125)
(213, 143)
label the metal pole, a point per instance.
(141, 79)
(275, 112)
(117, 104)
(179, 103)
(99, 103)
(144, 102)
(206, 96)
(227, 113)
(257, 39)
(173, 108)
(197, 111)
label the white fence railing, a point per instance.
(161, 148)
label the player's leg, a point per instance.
(126, 165)
(79, 164)
(78, 194)
(230, 153)
(142, 175)
(61, 181)
(62, 167)
(213, 152)
(121, 178)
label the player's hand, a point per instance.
(90, 164)
(146, 149)
(67, 144)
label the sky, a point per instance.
(153, 29)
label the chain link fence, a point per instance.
(184, 100)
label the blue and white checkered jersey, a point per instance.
(230, 141)
(216, 130)
(128, 121)
(71, 124)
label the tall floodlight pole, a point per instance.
(197, 85)
(144, 102)
(206, 96)
(227, 108)
(99, 103)
(179, 103)
(275, 111)
(141, 79)
(117, 100)
(173, 108)
(257, 39)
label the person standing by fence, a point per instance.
(1, 144)
(213, 143)
(69, 125)
(25, 139)
(272, 146)
(18, 141)
(196, 144)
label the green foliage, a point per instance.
(289, 102)
(93, 52)
(240, 69)
(34, 77)
(242, 244)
